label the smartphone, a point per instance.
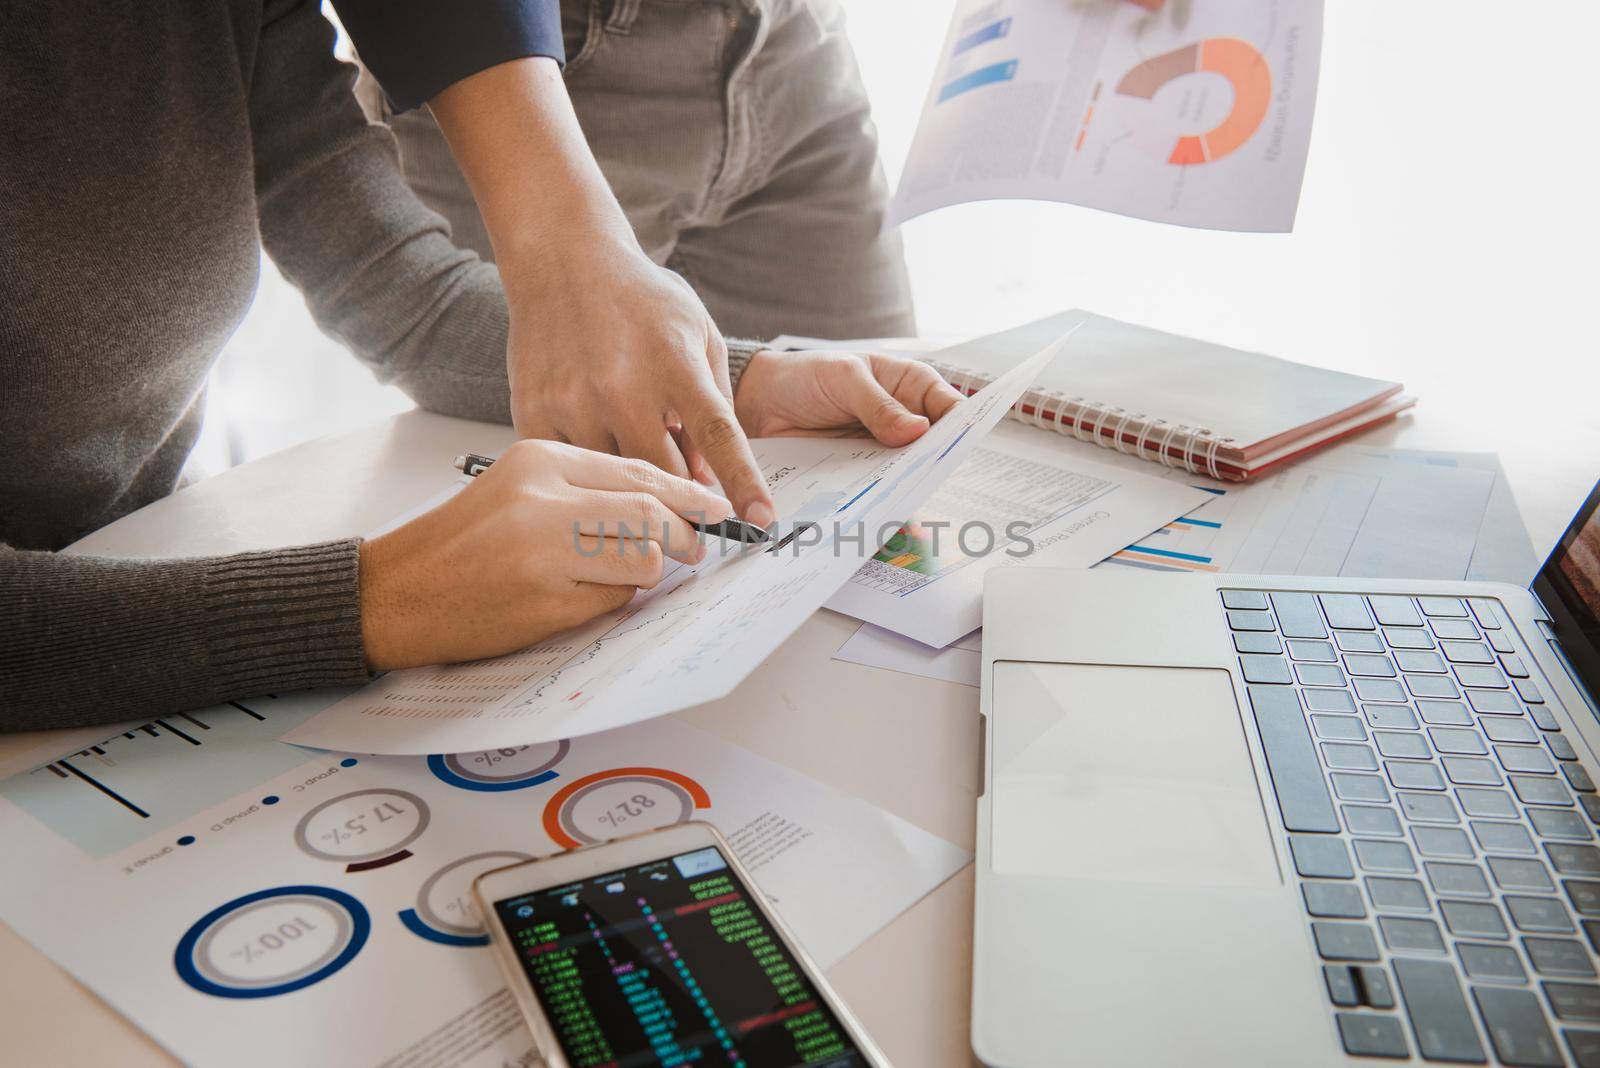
(658, 949)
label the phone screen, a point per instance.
(670, 963)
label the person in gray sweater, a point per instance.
(150, 151)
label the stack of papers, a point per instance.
(1355, 512)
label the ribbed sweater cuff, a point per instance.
(88, 639)
(740, 353)
(285, 619)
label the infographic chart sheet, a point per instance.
(247, 902)
(1195, 113)
(1013, 501)
(1356, 511)
(697, 634)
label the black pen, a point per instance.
(473, 465)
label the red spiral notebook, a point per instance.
(1173, 400)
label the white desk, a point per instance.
(910, 743)
(1445, 239)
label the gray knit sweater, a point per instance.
(147, 151)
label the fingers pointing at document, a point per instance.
(659, 360)
(655, 387)
(549, 537)
(554, 534)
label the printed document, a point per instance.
(1355, 511)
(1197, 113)
(247, 902)
(1017, 499)
(697, 634)
(960, 661)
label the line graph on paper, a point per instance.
(487, 688)
(638, 622)
(471, 688)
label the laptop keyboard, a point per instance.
(1440, 824)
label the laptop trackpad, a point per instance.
(1133, 774)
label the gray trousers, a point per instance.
(738, 139)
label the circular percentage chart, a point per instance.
(445, 911)
(1172, 116)
(609, 804)
(272, 942)
(493, 770)
(363, 829)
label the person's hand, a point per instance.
(802, 393)
(615, 354)
(607, 350)
(547, 538)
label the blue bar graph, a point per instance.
(1170, 554)
(995, 72)
(992, 32)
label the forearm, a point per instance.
(88, 640)
(605, 349)
(387, 283)
(544, 201)
(377, 269)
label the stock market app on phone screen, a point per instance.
(670, 963)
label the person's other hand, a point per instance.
(607, 350)
(816, 392)
(615, 354)
(533, 546)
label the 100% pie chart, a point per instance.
(272, 942)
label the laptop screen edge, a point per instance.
(1575, 612)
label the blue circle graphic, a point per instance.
(450, 768)
(418, 927)
(184, 957)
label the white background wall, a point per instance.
(1447, 234)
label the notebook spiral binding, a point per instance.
(1193, 448)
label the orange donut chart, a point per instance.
(561, 820)
(1238, 61)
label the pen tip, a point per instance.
(461, 463)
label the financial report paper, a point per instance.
(702, 629)
(1019, 498)
(1356, 511)
(247, 902)
(1197, 113)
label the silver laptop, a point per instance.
(1244, 820)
